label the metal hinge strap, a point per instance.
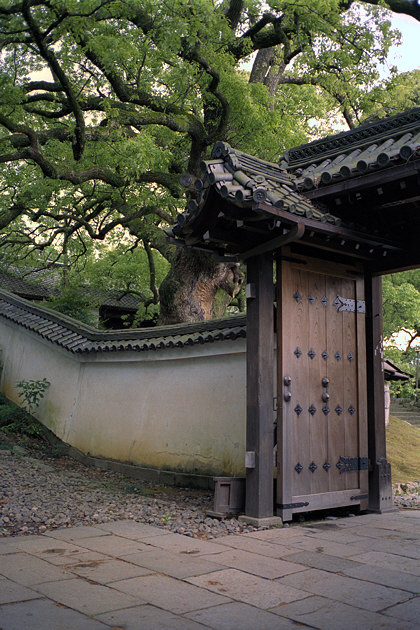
(359, 497)
(290, 506)
(349, 464)
(349, 305)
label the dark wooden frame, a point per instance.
(261, 393)
(260, 387)
(380, 488)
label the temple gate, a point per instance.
(333, 216)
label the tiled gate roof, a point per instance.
(355, 195)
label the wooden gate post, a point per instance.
(380, 488)
(260, 380)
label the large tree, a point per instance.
(104, 103)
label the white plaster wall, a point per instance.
(177, 409)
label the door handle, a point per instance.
(287, 395)
(325, 395)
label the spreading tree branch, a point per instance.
(49, 56)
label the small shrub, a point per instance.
(7, 414)
(14, 419)
(31, 392)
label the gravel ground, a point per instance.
(40, 493)
(407, 495)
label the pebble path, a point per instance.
(40, 493)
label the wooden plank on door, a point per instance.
(299, 371)
(292, 339)
(350, 414)
(318, 420)
(362, 393)
(334, 362)
(325, 500)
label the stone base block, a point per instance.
(267, 521)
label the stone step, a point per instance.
(400, 413)
(404, 411)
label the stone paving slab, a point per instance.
(379, 559)
(350, 591)
(310, 543)
(409, 611)
(239, 616)
(75, 533)
(44, 614)
(281, 536)
(26, 570)
(12, 592)
(380, 534)
(327, 614)
(132, 529)
(149, 617)
(180, 543)
(399, 528)
(254, 545)
(322, 561)
(263, 566)
(397, 547)
(170, 594)
(67, 560)
(44, 544)
(7, 547)
(386, 577)
(339, 536)
(357, 571)
(177, 565)
(415, 514)
(91, 599)
(55, 552)
(247, 588)
(112, 545)
(107, 570)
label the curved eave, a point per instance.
(245, 206)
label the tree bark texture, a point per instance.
(197, 288)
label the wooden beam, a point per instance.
(380, 489)
(328, 228)
(260, 388)
(392, 264)
(294, 234)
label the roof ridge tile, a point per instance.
(72, 338)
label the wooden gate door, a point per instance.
(322, 425)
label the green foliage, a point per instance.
(398, 93)
(104, 104)
(401, 302)
(74, 302)
(14, 419)
(31, 392)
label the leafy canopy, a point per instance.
(104, 103)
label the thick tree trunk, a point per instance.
(197, 288)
